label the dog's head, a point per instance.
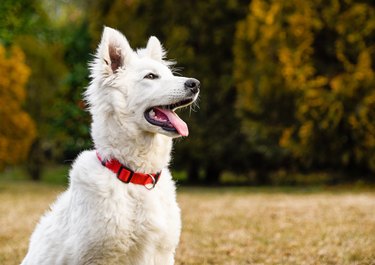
(137, 88)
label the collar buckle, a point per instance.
(130, 176)
(150, 186)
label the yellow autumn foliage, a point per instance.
(17, 129)
(305, 72)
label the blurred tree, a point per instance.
(71, 125)
(19, 17)
(68, 49)
(203, 46)
(26, 23)
(306, 85)
(17, 129)
(43, 46)
(199, 34)
(45, 81)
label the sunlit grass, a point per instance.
(231, 225)
(228, 227)
(21, 205)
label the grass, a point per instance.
(245, 227)
(21, 205)
(231, 225)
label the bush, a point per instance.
(306, 83)
(17, 129)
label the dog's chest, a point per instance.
(132, 224)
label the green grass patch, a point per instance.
(52, 174)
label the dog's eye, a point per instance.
(151, 76)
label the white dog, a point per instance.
(120, 207)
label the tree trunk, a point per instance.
(34, 164)
(212, 174)
(262, 177)
(193, 173)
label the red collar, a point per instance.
(127, 175)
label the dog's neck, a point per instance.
(142, 152)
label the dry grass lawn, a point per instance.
(231, 226)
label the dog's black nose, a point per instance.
(192, 85)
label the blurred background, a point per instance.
(287, 98)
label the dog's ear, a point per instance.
(154, 49)
(114, 50)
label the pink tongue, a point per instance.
(176, 121)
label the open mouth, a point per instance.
(166, 118)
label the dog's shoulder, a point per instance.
(86, 162)
(87, 171)
(86, 159)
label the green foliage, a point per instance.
(46, 61)
(71, 124)
(44, 81)
(19, 17)
(305, 76)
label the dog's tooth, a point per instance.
(152, 113)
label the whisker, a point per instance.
(193, 107)
(176, 70)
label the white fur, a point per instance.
(98, 219)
